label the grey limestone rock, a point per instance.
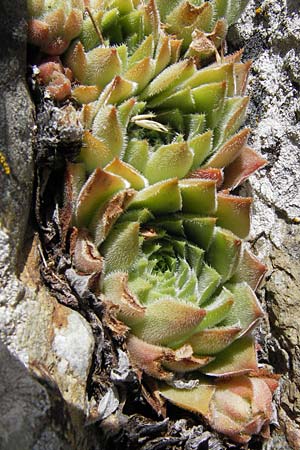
(38, 335)
(269, 31)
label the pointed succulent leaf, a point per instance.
(233, 115)
(99, 187)
(202, 147)
(168, 322)
(149, 358)
(224, 252)
(162, 54)
(233, 213)
(217, 309)
(160, 198)
(208, 281)
(151, 19)
(108, 129)
(198, 196)
(118, 90)
(197, 400)
(85, 94)
(208, 174)
(169, 161)
(169, 78)
(77, 61)
(209, 96)
(136, 154)
(199, 229)
(141, 73)
(144, 50)
(246, 163)
(173, 225)
(116, 290)
(241, 72)
(250, 270)
(214, 73)
(121, 247)
(246, 310)
(137, 215)
(175, 45)
(238, 358)
(94, 152)
(127, 172)
(102, 65)
(126, 110)
(228, 151)
(182, 99)
(211, 341)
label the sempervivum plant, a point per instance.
(54, 23)
(201, 25)
(161, 141)
(148, 200)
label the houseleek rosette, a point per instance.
(182, 284)
(162, 137)
(200, 25)
(53, 24)
(138, 101)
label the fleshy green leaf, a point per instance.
(127, 172)
(246, 310)
(238, 358)
(169, 161)
(96, 191)
(233, 213)
(224, 253)
(167, 322)
(121, 248)
(160, 198)
(198, 196)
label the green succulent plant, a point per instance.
(53, 24)
(201, 25)
(149, 204)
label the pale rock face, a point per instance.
(271, 37)
(41, 335)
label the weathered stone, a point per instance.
(26, 407)
(51, 340)
(55, 338)
(270, 33)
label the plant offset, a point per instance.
(148, 201)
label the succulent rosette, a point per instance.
(53, 24)
(201, 25)
(149, 204)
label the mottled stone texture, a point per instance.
(38, 335)
(270, 33)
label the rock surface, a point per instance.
(44, 336)
(270, 33)
(54, 342)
